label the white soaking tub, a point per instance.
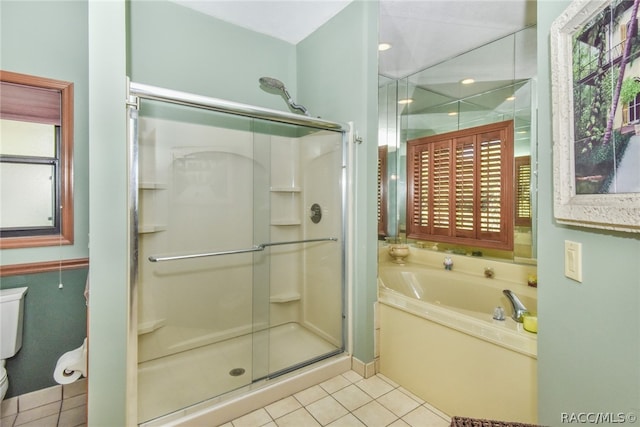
(439, 340)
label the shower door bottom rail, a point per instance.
(257, 248)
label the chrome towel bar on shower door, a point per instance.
(256, 248)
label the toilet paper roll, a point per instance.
(70, 366)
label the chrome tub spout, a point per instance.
(518, 308)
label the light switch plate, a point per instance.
(573, 260)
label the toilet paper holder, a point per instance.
(71, 365)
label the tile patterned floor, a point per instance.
(58, 406)
(347, 400)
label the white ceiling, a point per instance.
(422, 32)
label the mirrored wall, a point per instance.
(493, 83)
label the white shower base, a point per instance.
(173, 382)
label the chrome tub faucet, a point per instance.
(518, 308)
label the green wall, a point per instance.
(54, 322)
(178, 48)
(173, 47)
(337, 79)
(49, 39)
(589, 332)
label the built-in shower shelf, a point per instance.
(286, 189)
(283, 298)
(143, 229)
(152, 186)
(286, 222)
(150, 326)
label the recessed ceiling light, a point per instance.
(511, 98)
(467, 81)
(453, 113)
(384, 46)
(405, 101)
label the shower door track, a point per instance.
(224, 106)
(257, 248)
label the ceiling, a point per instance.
(422, 32)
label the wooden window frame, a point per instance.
(438, 214)
(382, 191)
(65, 184)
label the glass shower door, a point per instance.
(240, 271)
(195, 312)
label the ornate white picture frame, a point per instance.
(607, 210)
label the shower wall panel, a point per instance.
(322, 290)
(196, 196)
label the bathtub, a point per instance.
(437, 337)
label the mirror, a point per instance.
(438, 100)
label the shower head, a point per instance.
(276, 84)
(272, 83)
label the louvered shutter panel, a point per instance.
(465, 179)
(490, 220)
(418, 197)
(523, 191)
(441, 188)
(460, 187)
(382, 200)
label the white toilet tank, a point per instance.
(11, 312)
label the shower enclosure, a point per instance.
(237, 245)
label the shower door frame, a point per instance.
(137, 91)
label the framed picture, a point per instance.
(595, 79)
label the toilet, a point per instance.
(11, 312)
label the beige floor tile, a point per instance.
(73, 417)
(74, 402)
(398, 402)
(310, 395)
(388, 380)
(335, 384)
(422, 417)
(8, 420)
(353, 376)
(399, 423)
(326, 410)
(258, 417)
(411, 395)
(352, 397)
(374, 386)
(283, 407)
(348, 420)
(39, 398)
(298, 418)
(38, 413)
(374, 414)
(75, 388)
(9, 406)
(50, 421)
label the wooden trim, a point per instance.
(43, 267)
(66, 235)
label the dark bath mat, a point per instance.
(474, 422)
